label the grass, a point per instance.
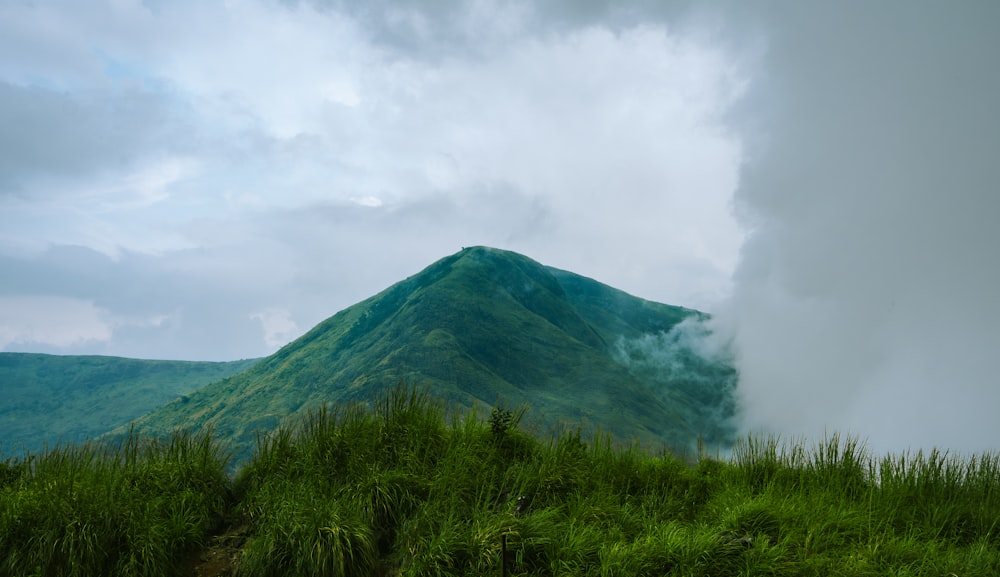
(132, 508)
(404, 486)
(433, 494)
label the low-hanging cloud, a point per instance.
(865, 298)
(691, 367)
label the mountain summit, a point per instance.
(481, 326)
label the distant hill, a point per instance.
(476, 327)
(48, 398)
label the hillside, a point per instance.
(479, 326)
(48, 398)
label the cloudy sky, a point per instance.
(207, 180)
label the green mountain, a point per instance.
(50, 398)
(478, 327)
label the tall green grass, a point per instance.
(128, 508)
(408, 488)
(404, 486)
(841, 511)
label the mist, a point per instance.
(864, 300)
(691, 367)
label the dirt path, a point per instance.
(220, 558)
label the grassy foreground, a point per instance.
(403, 487)
(130, 508)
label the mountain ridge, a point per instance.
(69, 398)
(477, 326)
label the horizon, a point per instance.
(207, 181)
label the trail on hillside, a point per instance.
(221, 557)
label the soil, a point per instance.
(220, 558)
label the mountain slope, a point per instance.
(479, 326)
(48, 398)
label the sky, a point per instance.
(207, 180)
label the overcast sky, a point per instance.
(207, 180)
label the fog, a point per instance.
(865, 296)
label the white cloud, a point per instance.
(369, 201)
(302, 156)
(52, 321)
(277, 325)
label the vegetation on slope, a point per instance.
(479, 325)
(404, 487)
(129, 509)
(52, 398)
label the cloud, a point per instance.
(55, 137)
(135, 305)
(864, 297)
(202, 163)
(615, 134)
(692, 367)
(54, 321)
(278, 326)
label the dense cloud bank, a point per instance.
(865, 298)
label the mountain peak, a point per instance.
(479, 325)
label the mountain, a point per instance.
(52, 398)
(479, 327)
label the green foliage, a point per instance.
(503, 422)
(112, 509)
(12, 469)
(299, 531)
(403, 486)
(443, 503)
(500, 421)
